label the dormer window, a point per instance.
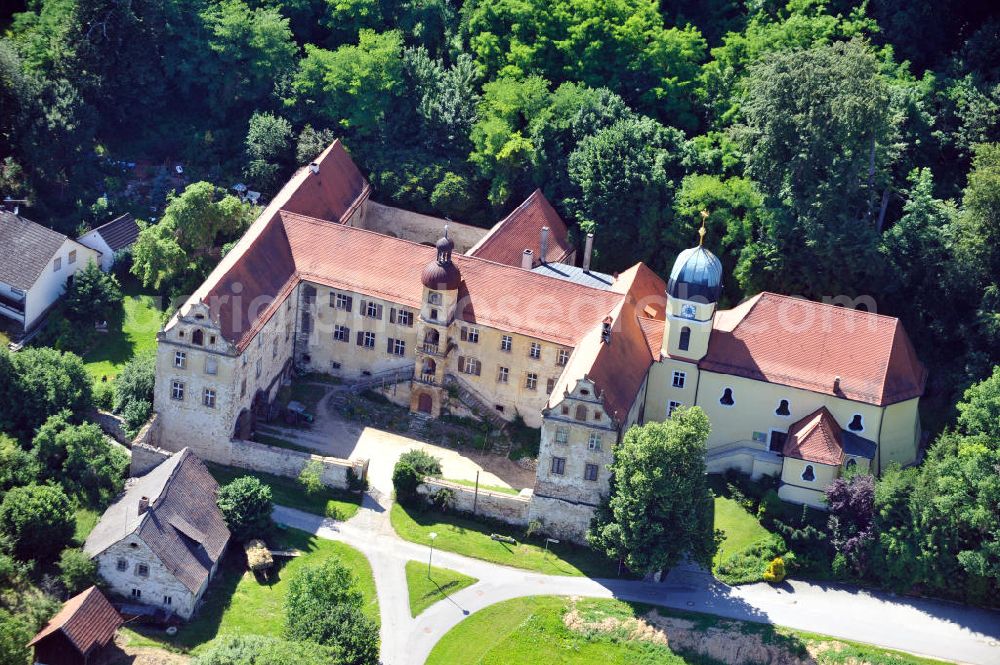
(782, 409)
(727, 397)
(857, 423)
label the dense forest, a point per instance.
(842, 149)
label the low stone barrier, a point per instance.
(289, 463)
(145, 458)
(509, 508)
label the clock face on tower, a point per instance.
(687, 311)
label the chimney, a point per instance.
(606, 330)
(143, 505)
(527, 259)
(543, 249)
(836, 384)
(588, 250)
(314, 167)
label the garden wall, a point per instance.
(145, 458)
(561, 519)
(496, 505)
(283, 462)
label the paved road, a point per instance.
(931, 628)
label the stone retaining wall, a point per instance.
(562, 519)
(289, 463)
(145, 458)
(496, 505)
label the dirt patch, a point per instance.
(123, 654)
(723, 642)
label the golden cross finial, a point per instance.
(701, 231)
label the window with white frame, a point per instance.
(590, 472)
(122, 565)
(342, 301)
(373, 310)
(341, 333)
(72, 257)
(404, 318)
(506, 342)
(396, 347)
(562, 357)
(562, 435)
(595, 441)
(535, 351)
(177, 390)
(136, 594)
(208, 398)
(469, 366)
(180, 359)
(679, 378)
(531, 381)
(503, 374)
(366, 339)
(470, 334)
(671, 407)
(167, 600)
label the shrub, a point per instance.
(424, 463)
(43, 383)
(14, 635)
(771, 507)
(80, 458)
(38, 519)
(260, 650)
(405, 480)
(356, 483)
(17, 466)
(135, 382)
(77, 571)
(104, 395)
(246, 506)
(748, 565)
(311, 477)
(135, 414)
(775, 572)
(443, 500)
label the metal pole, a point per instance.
(431, 555)
(475, 497)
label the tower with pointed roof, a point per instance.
(692, 296)
(440, 279)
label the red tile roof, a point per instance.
(816, 438)
(87, 620)
(807, 345)
(490, 293)
(333, 193)
(619, 367)
(521, 230)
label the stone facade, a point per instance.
(506, 508)
(157, 587)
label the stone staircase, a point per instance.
(468, 396)
(386, 377)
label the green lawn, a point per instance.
(425, 591)
(491, 488)
(238, 603)
(86, 520)
(471, 538)
(137, 335)
(740, 527)
(526, 631)
(288, 492)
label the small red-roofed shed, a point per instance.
(85, 625)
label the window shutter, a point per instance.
(465, 334)
(388, 345)
(361, 338)
(392, 315)
(461, 363)
(350, 301)
(378, 312)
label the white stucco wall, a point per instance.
(51, 282)
(95, 241)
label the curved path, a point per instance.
(931, 628)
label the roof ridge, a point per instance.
(841, 310)
(116, 219)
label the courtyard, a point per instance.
(368, 426)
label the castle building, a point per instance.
(502, 322)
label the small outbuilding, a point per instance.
(117, 235)
(79, 632)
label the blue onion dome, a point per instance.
(696, 276)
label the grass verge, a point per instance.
(86, 519)
(288, 492)
(540, 629)
(425, 591)
(472, 538)
(237, 602)
(740, 527)
(492, 488)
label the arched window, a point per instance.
(851, 464)
(782, 409)
(857, 423)
(685, 340)
(727, 397)
(581, 412)
(431, 336)
(198, 337)
(809, 474)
